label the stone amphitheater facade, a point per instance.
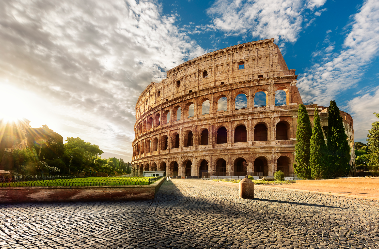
(194, 124)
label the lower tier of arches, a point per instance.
(205, 165)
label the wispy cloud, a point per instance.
(90, 60)
(279, 19)
(338, 72)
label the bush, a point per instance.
(279, 175)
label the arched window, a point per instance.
(174, 169)
(154, 166)
(260, 99)
(155, 144)
(222, 135)
(240, 134)
(157, 120)
(148, 144)
(188, 165)
(260, 132)
(203, 169)
(280, 98)
(204, 137)
(241, 65)
(188, 139)
(175, 140)
(191, 111)
(282, 130)
(205, 74)
(166, 117)
(260, 166)
(164, 142)
(240, 167)
(222, 104)
(205, 107)
(283, 165)
(178, 113)
(162, 166)
(220, 167)
(149, 123)
(241, 101)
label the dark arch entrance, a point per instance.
(283, 164)
(162, 167)
(222, 135)
(204, 137)
(260, 132)
(154, 167)
(188, 168)
(174, 169)
(140, 171)
(260, 167)
(189, 140)
(203, 169)
(282, 131)
(240, 167)
(240, 134)
(220, 167)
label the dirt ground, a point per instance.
(367, 187)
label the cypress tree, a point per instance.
(337, 145)
(373, 143)
(302, 147)
(317, 159)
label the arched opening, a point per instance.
(222, 104)
(260, 132)
(142, 147)
(178, 113)
(166, 117)
(260, 167)
(175, 142)
(155, 144)
(149, 123)
(162, 166)
(283, 164)
(188, 141)
(240, 167)
(260, 99)
(240, 134)
(188, 165)
(204, 137)
(282, 130)
(157, 120)
(148, 144)
(241, 65)
(241, 101)
(220, 167)
(174, 168)
(205, 74)
(154, 167)
(205, 107)
(203, 169)
(140, 171)
(222, 135)
(146, 167)
(164, 142)
(280, 98)
(191, 111)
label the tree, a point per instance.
(373, 143)
(317, 159)
(361, 156)
(337, 145)
(302, 147)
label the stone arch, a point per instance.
(282, 130)
(155, 144)
(166, 117)
(148, 146)
(261, 166)
(174, 169)
(140, 170)
(154, 166)
(149, 123)
(146, 167)
(241, 65)
(222, 135)
(220, 167)
(203, 168)
(205, 74)
(240, 133)
(175, 140)
(187, 168)
(260, 132)
(260, 99)
(205, 107)
(240, 167)
(189, 110)
(157, 121)
(283, 164)
(188, 138)
(222, 103)
(177, 113)
(163, 166)
(164, 142)
(280, 98)
(204, 135)
(240, 101)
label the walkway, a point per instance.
(197, 214)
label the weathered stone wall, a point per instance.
(263, 137)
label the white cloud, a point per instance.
(339, 72)
(362, 109)
(88, 61)
(279, 19)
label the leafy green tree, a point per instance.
(317, 159)
(361, 156)
(302, 147)
(337, 144)
(373, 143)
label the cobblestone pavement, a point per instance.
(196, 214)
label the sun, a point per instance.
(13, 104)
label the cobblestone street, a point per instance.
(197, 214)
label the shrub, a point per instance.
(279, 175)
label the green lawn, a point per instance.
(90, 181)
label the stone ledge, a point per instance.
(72, 194)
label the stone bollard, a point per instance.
(246, 189)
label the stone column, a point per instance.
(250, 168)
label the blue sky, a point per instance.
(79, 66)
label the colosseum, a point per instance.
(231, 112)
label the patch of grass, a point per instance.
(260, 182)
(90, 181)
